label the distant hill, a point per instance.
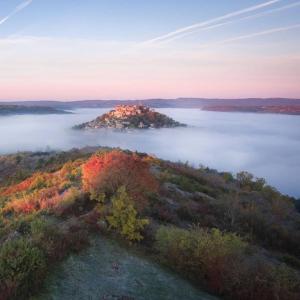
(254, 105)
(267, 109)
(24, 109)
(160, 103)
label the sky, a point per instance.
(133, 49)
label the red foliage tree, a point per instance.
(108, 171)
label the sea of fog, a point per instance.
(264, 144)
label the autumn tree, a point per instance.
(248, 182)
(124, 217)
(107, 172)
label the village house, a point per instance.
(122, 111)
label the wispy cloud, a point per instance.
(19, 8)
(251, 35)
(251, 17)
(183, 30)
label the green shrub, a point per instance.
(39, 227)
(247, 181)
(198, 252)
(224, 263)
(191, 185)
(124, 217)
(56, 242)
(228, 177)
(22, 268)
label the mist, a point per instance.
(266, 145)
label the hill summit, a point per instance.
(131, 116)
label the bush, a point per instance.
(22, 268)
(107, 172)
(201, 254)
(225, 264)
(228, 177)
(189, 212)
(185, 183)
(247, 181)
(124, 217)
(55, 242)
(44, 199)
(47, 199)
(70, 199)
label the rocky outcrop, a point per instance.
(131, 116)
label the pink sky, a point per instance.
(74, 69)
(70, 50)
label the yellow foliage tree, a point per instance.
(124, 217)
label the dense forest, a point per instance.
(232, 235)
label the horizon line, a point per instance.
(149, 99)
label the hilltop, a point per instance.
(131, 116)
(232, 235)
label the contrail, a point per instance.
(251, 35)
(209, 22)
(268, 12)
(16, 10)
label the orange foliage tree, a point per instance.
(106, 172)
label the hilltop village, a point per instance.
(131, 116)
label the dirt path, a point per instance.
(107, 271)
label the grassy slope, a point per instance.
(265, 220)
(93, 274)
